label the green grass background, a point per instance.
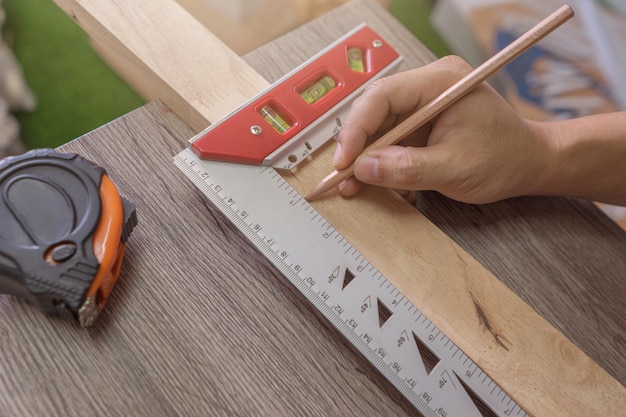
(77, 92)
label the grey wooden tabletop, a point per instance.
(201, 324)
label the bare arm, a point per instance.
(589, 158)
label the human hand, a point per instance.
(476, 151)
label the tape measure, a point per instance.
(401, 342)
(63, 228)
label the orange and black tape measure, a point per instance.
(63, 229)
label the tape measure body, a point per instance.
(63, 232)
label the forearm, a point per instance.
(588, 158)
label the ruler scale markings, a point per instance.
(384, 344)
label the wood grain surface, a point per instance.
(192, 330)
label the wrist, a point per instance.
(549, 158)
(585, 157)
(543, 160)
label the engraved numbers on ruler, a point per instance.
(412, 353)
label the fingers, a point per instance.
(351, 186)
(391, 96)
(404, 168)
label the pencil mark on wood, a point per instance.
(484, 320)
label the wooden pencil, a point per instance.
(453, 93)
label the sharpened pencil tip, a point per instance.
(331, 180)
(315, 192)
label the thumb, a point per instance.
(404, 168)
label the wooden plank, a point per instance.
(155, 38)
(240, 36)
(434, 272)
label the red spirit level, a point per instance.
(287, 122)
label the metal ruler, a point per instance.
(403, 344)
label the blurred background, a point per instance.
(56, 84)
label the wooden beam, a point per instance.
(190, 68)
(202, 81)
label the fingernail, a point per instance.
(337, 154)
(368, 169)
(341, 186)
